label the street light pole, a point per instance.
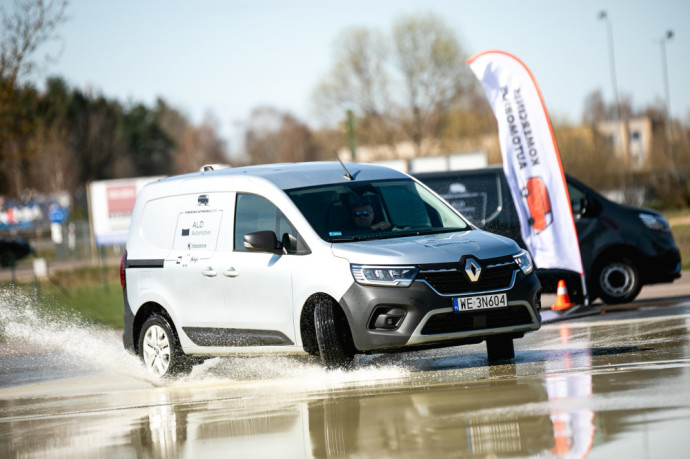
(664, 67)
(603, 15)
(618, 147)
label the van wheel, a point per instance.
(499, 349)
(618, 281)
(160, 349)
(336, 347)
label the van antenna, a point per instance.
(347, 173)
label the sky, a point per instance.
(229, 57)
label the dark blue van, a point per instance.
(623, 247)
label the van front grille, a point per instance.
(453, 322)
(451, 279)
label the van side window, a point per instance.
(477, 196)
(254, 213)
(577, 200)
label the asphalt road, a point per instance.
(603, 382)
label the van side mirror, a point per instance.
(261, 241)
(591, 207)
(579, 207)
(289, 243)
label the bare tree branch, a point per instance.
(30, 24)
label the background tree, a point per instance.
(434, 72)
(404, 95)
(274, 137)
(29, 25)
(194, 146)
(359, 82)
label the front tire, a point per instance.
(160, 349)
(336, 347)
(618, 281)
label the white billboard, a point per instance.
(111, 203)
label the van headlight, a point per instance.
(524, 261)
(388, 276)
(655, 222)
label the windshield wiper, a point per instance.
(344, 239)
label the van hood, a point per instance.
(416, 250)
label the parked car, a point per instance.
(12, 250)
(314, 258)
(623, 247)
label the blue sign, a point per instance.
(57, 214)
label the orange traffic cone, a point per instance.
(562, 298)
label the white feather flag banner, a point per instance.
(531, 160)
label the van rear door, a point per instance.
(193, 262)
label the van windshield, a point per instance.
(356, 211)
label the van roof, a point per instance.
(298, 175)
(457, 172)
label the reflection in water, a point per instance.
(573, 429)
(436, 404)
(437, 422)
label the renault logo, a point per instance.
(473, 270)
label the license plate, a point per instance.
(473, 303)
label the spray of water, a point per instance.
(30, 325)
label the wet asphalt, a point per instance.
(608, 381)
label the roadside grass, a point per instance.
(681, 234)
(91, 294)
(680, 227)
(97, 303)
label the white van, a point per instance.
(320, 257)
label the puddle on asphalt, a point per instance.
(575, 389)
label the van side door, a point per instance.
(259, 288)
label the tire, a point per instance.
(499, 349)
(160, 349)
(618, 281)
(307, 328)
(336, 347)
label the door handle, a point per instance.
(209, 272)
(232, 272)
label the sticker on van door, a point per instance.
(197, 230)
(538, 203)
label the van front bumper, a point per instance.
(387, 318)
(664, 267)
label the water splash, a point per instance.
(33, 327)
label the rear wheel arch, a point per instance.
(143, 313)
(160, 348)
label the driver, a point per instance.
(363, 217)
